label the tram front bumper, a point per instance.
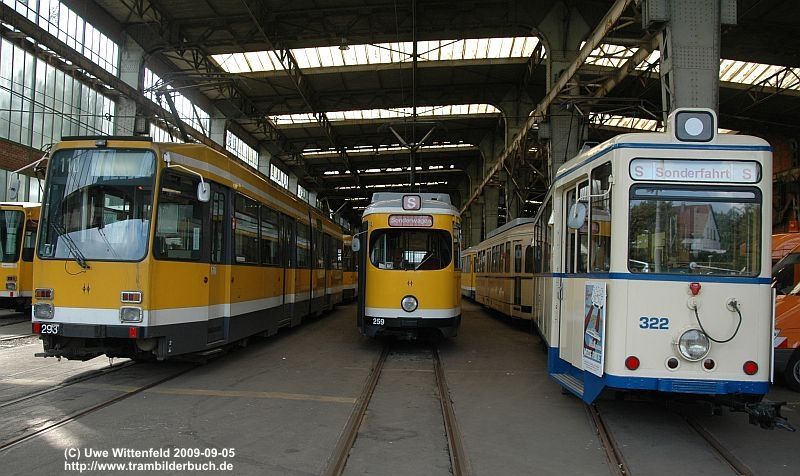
(374, 326)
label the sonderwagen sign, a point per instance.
(411, 221)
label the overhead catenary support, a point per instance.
(592, 42)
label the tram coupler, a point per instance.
(765, 414)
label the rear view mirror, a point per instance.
(356, 245)
(203, 192)
(13, 190)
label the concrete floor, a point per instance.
(282, 403)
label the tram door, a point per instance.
(218, 280)
(575, 249)
(517, 275)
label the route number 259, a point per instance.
(377, 321)
(660, 323)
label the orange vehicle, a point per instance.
(786, 280)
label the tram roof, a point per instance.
(513, 223)
(653, 139)
(392, 202)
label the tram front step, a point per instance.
(573, 384)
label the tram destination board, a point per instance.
(416, 221)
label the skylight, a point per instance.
(397, 113)
(382, 53)
(730, 71)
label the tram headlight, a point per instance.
(409, 303)
(130, 314)
(43, 310)
(693, 345)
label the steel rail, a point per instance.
(616, 462)
(349, 434)
(99, 406)
(459, 463)
(93, 374)
(735, 463)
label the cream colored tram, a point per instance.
(410, 276)
(658, 276)
(468, 266)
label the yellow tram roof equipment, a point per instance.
(411, 203)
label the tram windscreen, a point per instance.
(410, 249)
(97, 204)
(11, 234)
(694, 230)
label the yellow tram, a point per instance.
(152, 250)
(19, 222)
(410, 272)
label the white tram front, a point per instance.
(660, 271)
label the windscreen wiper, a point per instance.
(73, 247)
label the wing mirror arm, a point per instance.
(203, 188)
(13, 186)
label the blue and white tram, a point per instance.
(659, 277)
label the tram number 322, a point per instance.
(658, 323)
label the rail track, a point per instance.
(616, 462)
(70, 381)
(616, 459)
(735, 463)
(8, 444)
(459, 463)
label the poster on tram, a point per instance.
(594, 327)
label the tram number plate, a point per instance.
(659, 323)
(50, 328)
(378, 321)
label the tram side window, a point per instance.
(517, 258)
(270, 254)
(245, 233)
(29, 240)
(600, 251)
(218, 228)
(547, 237)
(347, 258)
(11, 222)
(303, 246)
(495, 258)
(326, 249)
(290, 243)
(507, 268)
(179, 226)
(529, 260)
(577, 239)
(317, 250)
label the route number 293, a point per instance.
(660, 323)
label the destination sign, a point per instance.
(673, 170)
(411, 221)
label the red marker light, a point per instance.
(133, 332)
(632, 362)
(750, 367)
(37, 328)
(695, 288)
(709, 364)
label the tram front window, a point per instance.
(97, 205)
(694, 231)
(410, 249)
(10, 234)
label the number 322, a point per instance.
(654, 323)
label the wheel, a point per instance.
(792, 372)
